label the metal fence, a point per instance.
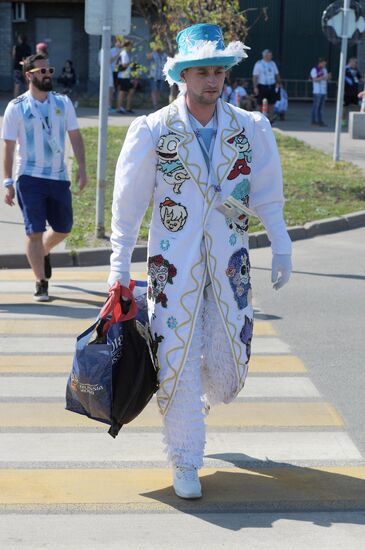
(302, 89)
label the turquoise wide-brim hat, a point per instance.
(202, 45)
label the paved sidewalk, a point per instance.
(298, 125)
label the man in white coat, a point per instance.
(206, 165)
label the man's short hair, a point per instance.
(264, 52)
(29, 62)
(126, 43)
(321, 59)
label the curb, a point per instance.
(101, 256)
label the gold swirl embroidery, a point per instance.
(218, 293)
(174, 377)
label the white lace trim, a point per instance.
(209, 377)
(219, 377)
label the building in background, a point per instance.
(61, 25)
(293, 33)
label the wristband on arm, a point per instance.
(8, 182)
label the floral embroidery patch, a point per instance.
(172, 322)
(164, 244)
(232, 239)
(173, 215)
(243, 147)
(169, 164)
(160, 272)
(238, 273)
(246, 335)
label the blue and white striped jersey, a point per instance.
(40, 141)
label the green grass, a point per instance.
(83, 232)
(314, 187)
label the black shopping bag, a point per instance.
(114, 376)
(135, 366)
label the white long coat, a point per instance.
(161, 160)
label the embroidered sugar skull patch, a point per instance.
(239, 226)
(246, 335)
(160, 272)
(238, 273)
(173, 215)
(243, 147)
(169, 164)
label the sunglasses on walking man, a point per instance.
(43, 70)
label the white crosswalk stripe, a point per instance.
(257, 387)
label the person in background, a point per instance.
(239, 95)
(266, 81)
(226, 91)
(113, 59)
(319, 76)
(125, 86)
(281, 106)
(21, 50)
(352, 85)
(157, 60)
(68, 79)
(114, 55)
(36, 122)
(42, 47)
(361, 97)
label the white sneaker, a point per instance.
(186, 482)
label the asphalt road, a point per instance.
(321, 312)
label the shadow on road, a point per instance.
(315, 274)
(51, 310)
(102, 294)
(269, 486)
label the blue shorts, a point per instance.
(43, 200)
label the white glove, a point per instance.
(280, 270)
(122, 276)
(271, 216)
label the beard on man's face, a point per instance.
(44, 84)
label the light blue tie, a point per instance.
(207, 136)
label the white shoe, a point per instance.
(186, 482)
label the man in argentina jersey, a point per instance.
(35, 124)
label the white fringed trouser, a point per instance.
(208, 377)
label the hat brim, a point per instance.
(204, 53)
(174, 73)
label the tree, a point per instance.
(166, 18)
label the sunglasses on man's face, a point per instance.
(43, 70)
